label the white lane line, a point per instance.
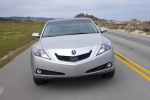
(1, 90)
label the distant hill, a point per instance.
(95, 19)
(131, 25)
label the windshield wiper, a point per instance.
(76, 33)
(82, 33)
(68, 34)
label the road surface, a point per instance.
(131, 80)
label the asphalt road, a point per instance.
(131, 80)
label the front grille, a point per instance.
(73, 58)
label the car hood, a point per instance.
(71, 41)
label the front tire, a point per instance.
(38, 81)
(109, 74)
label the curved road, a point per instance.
(131, 80)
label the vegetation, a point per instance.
(16, 34)
(132, 25)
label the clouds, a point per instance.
(109, 9)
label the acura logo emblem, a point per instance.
(73, 52)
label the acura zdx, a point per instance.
(71, 48)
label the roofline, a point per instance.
(71, 19)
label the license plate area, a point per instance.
(73, 59)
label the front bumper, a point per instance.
(72, 69)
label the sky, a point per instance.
(103, 9)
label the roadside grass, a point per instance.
(14, 35)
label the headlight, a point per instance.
(40, 53)
(104, 47)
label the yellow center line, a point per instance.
(137, 65)
(130, 66)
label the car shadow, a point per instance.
(78, 83)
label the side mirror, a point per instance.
(37, 35)
(103, 30)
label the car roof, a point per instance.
(65, 20)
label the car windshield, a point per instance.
(69, 28)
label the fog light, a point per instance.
(38, 71)
(109, 65)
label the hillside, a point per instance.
(132, 25)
